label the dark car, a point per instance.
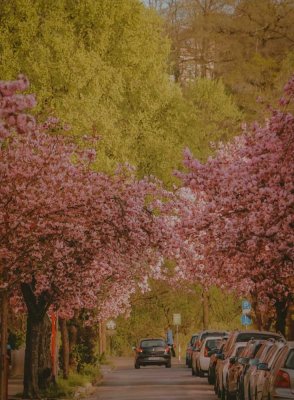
(189, 349)
(152, 352)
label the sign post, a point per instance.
(177, 321)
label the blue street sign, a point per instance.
(245, 320)
(246, 305)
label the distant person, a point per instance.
(170, 341)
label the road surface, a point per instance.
(156, 383)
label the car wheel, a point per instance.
(200, 373)
(137, 366)
(210, 378)
(239, 394)
(193, 371)
(249, 392)
(168, 365)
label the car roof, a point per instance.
(158, 338)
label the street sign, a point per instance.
(246, 307)
(245, 320)
(177, 319)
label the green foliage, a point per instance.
(101, 67)
(153, 311)
(212, 116)
(67, 387)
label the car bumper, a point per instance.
(159, 360)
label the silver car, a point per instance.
(251, 372)
(257, 381)
(280, 383)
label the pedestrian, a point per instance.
(170, 341)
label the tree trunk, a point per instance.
(73, 339)
(3, 359)
(37, 324)
(257, 315)
(65, 347)
(205, 305)
(45, 357)
(281, 310)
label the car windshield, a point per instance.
(193, 340)
(153, 343)
(290, 360)
(207, 334)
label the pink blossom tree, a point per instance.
(240, 219)
(66, 231)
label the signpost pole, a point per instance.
(179, 356)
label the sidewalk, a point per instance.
(15, 387)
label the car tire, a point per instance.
(137, 366)
(209, 378)
(200, 373)
(193, 371)
(168, 365)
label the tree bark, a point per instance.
(3, 359)
(45, 357)
(35, 343)
(281, 310)
(65, 347)
(73, 339)
(205, 305)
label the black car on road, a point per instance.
(152, 352)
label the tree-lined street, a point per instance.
(135, 186)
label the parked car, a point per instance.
(277, 383)
(152, 352)
(190, 345)
(202, 359)
(281, 382)
(222, 368)
(197, 345)
(236, 337)
(213, 360)
(257, 380)
(204, 334)
(260, 357)
(238, 367)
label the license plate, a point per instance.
(154, 358)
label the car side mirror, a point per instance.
(263, 367)
(233, 360)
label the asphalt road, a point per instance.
(156, 383)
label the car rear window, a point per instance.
(290, 360)
(212, 344)
(246, 336)
(153, 343)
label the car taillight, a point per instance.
(167, 349)
(282, 380)
(206, 352)
(139, 350)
